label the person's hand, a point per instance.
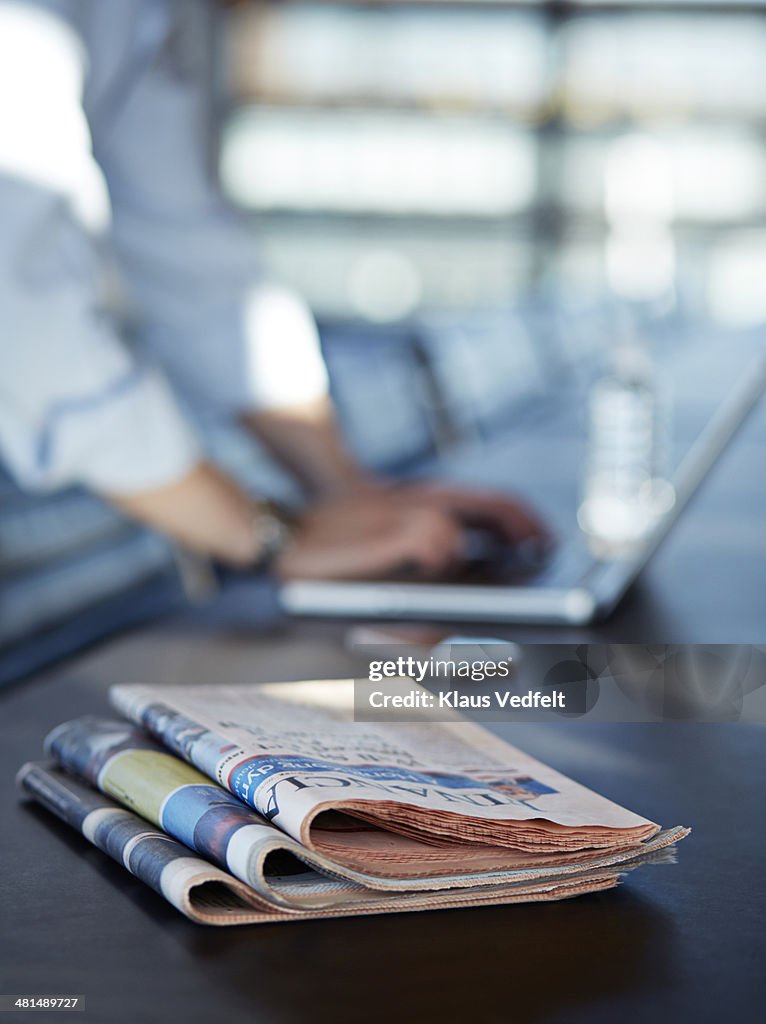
(372, 535)
(507, 518)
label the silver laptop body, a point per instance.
(574, 590)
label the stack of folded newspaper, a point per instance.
(270, 803)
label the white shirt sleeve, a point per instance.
(75, 406)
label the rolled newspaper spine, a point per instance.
(200, 891)
(209, 896)
(133, 770)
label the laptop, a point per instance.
(573, 587)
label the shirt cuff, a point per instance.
(134, 439)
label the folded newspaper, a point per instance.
(269, 803)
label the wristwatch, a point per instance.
(273, 525)
(201, 577)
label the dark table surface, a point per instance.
(684, 942)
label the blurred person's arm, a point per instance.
(306, 439)
(78, 408)
(233, 342)
(231, 339)
(75, 405)
(350, 537)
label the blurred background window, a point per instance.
(496, 170)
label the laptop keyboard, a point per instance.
(564, 566)
(567, 566)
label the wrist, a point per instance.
(356, 482)
(273, 526)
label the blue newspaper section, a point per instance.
(247, 778)
(206, 818)
(202, 815)
(209, 750)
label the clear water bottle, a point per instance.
(625, 486)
